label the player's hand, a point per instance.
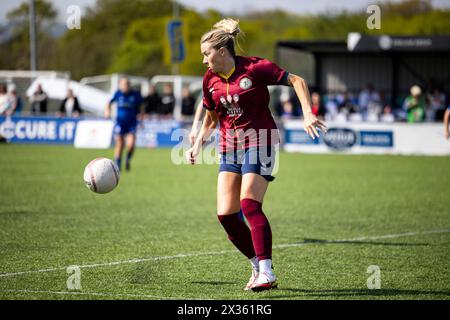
(192, 137)
(311, 124)
(192, 154)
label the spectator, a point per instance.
(4, 100)
(287, 109)
(295, 102)
(414, 105)
(165, 108)
(347, 106)
(374, 108)
(436, 105)
(331, 107)
(151, 101)
(70, 106)
(317, 106)
(188, 103)
(387, 115)
(430, 86)
(340, 97)
(275, 98)
(16, 103)
(367, 97)
(39, 101)
(384, 101)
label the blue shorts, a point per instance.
(122, 128)
(259, 160)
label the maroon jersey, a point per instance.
(241, 100)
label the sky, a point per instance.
(233, 6)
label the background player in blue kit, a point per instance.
(128, 107)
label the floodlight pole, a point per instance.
(33, 47)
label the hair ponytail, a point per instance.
(224, 34)
(229, 26)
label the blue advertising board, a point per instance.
(51, 130)
(343, 138)
(45, 130)
(157, 133)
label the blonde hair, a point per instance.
(223, 34)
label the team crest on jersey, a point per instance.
(245, 83)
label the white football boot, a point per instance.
(265, 281)
(251, 281)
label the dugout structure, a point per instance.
(21, 80)
(391, 63)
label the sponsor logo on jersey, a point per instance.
(231, 104)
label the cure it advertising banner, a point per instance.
(84, 133)
(44, 130)
(369, 138)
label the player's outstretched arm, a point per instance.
(311, 123)
(446, 122)
(197, 116)
(209, 124)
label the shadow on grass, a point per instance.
(321, 241)
(355, 292)
(213, 283)
(14, 212)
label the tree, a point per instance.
(94, 49)
(130, 36)
(19, 44)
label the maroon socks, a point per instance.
(260, 228)
(257, 242)
(238, 233)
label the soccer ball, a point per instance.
(101, 175)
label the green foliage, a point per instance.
(406, 9)
(141, 51)
(43, 9)
(130, 36)
(19, 47)
(93, 49)
(195, 26)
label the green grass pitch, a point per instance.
(332, 216)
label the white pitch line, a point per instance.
(199, 254)
(101, 294)
(114, 263)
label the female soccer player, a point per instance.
(235, 95)
(128, 107)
